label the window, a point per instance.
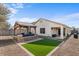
(42, 30)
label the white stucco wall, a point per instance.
(48, 25)
(43, 25)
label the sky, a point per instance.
(65, 13)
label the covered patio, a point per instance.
(59, 32)
(20, 27)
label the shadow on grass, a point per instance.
(46, 42)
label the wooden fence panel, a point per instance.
(6, 32)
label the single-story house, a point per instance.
(43, 27)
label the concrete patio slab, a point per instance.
(9, 48)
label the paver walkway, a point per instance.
(69, 48)
(9, 48)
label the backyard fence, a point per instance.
(6, 32)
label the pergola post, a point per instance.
(20, 29)
(29, 29)
(35, 29)
(61, 30)
(14, 31)
(66, 32)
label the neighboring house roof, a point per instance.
(50, 21)
(25, 24)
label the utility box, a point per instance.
(76, 35)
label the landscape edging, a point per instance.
(49, 54)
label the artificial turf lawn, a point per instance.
(41, 47)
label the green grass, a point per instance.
(41, 47)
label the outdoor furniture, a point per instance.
(54, 35)
(28, 34)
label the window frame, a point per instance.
(42, 30)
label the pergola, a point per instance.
(20, 26)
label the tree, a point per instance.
(4, 12)
(4, 25)
(3, 18)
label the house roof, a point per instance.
(33, 23)
(25, 24)
(51, 21)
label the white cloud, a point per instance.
(24, 19)
(17, 5)
(13, 10)
(21, 5)
(71, 19)
(70, 16)
(73, 15)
